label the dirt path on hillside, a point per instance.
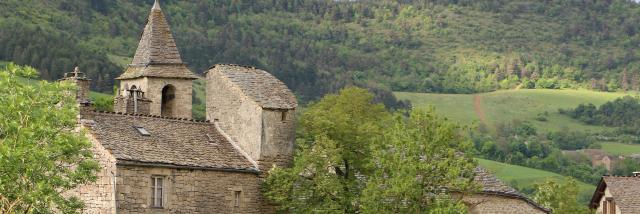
(477, 106)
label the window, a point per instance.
(609, 206)
(142, 131)
(236, 198)
(157, 193)
(284, 115)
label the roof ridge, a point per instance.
(155, 116)
(621, 176)
(234, 65)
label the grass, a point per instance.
(119, 60)
(620, 148)
(523, 177)
(199, 99)
(101, 101)
(508, 105)
(99, 95)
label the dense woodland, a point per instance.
(319, 46)
(622, 112)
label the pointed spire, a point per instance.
(157, 54)
(156, 6)
(156, 44)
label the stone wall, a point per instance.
(279, 136)
(99, 197)
(494, 204)
(237, 116)
(152, 88)
(187, 191)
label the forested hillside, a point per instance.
(316, 46)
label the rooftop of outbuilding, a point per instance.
(259, 85)
(624, 189)
(491, 185)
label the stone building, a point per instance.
(156, 159)
(497, 198)
(617, 195)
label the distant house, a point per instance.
(496, 197)
(597, 157)
(617, 195)
(601, 158)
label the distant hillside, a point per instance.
(317, 46)
(538, 106)
(525, 179)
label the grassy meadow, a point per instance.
(620, 148)
(508, 105)
(524, 177)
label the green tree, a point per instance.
(417, 166)
(339, 153)
(561, 198)
(41, 154)
(334, 149)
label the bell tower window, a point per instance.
(168, 101)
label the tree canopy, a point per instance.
(42, 155)
(560, 197)
(349, 150)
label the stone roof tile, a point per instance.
(625, 192)
(173, 142)
(259, 85)
(157, 49)
(493, 186)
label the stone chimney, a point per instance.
(83, 83)
(132, 102)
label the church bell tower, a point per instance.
(156, 79)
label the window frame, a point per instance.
(157, 203)
(237, 195)
(609, 206)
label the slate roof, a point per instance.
(493, 186)
(259, 85)
(165, 71)
(172, 142)
(157, 54)
(625, 192)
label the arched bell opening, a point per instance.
(168, 103)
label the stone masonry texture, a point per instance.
(187, 191)
(496, 204)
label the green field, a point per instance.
(524, 177)
(199, 99)
(620, 148)
(508, 105)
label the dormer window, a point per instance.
(142, 131)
